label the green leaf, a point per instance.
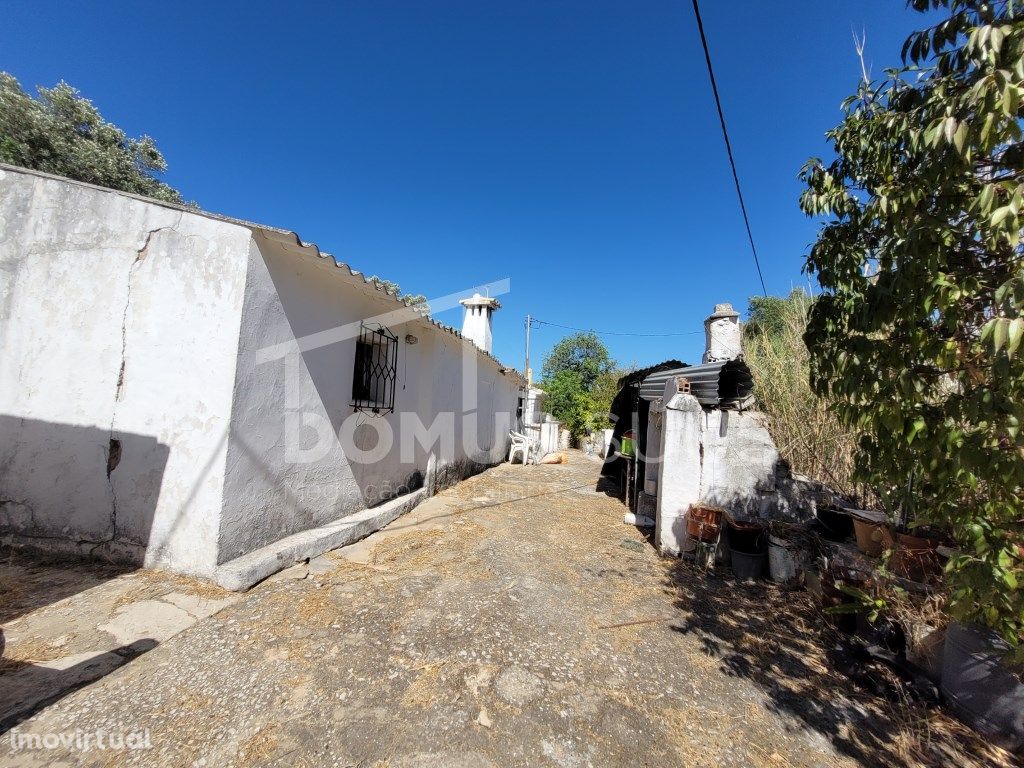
(1014, 334)
(1011, 100)
(949, 128)
(960, 137)
(917, 426)
(1000, 214)
(988, 329)
(985, 199)
(1001, 333)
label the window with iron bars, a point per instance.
(376, 366)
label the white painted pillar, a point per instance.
(679, 482)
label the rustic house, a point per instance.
(216, 397)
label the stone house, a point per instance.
(215, 397)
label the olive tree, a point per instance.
(917, 335)
(62, 133)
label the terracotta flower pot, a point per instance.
(916, 543)
(873, 537)
(918, 564)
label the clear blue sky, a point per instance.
(570, 146)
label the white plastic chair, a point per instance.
(525, 446)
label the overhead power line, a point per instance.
(728, 144)
(609, 333)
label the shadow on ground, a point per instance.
(23, 681)
(610, 487)
(778, 640)
(30, 581)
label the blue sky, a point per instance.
(570, 146)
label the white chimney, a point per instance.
(722, 339)
(476, 325)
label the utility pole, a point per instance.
(527, 371)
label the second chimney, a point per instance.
(476, 325)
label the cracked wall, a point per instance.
(118, 331)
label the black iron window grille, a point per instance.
(375, 374)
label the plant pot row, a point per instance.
(914, 557)
(966, 662)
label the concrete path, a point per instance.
(511, 621)
(65, 624)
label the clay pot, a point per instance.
(916, 543)
(748, 538)
(914, 564)
(873, 537)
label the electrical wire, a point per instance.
(728, 144)
(610, 333)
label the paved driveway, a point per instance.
(511, 621)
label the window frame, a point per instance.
(375, 369)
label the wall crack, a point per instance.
(114, 446)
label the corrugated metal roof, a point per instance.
(635, 376)
(728, 382)
(287, 233)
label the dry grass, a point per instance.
(416, 548)
(317, 607)
(175, 581)
(426, 688)
(804, 427)
(31, 650)
(259, 747)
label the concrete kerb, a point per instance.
(245, 571)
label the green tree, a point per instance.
(582, 353)
(916, 337)
(603, 391)
(569, 402)
(64, 134)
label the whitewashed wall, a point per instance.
(127, 320)
(291, 293)
(118, 320)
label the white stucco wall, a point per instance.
(726, 459)
(118, 320)
(272, 491)
(123, 319)
(740, 461)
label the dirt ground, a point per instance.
(513, 620)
